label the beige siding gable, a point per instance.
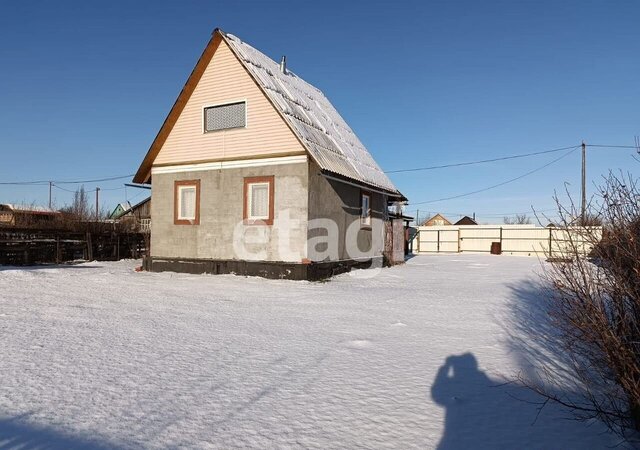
(226, 80)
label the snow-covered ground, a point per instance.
(98, 355)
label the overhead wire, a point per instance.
(45, 182)
(526, 174)
(571, 149)
(482, 161)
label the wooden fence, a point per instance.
(512, 239)
(24, 246)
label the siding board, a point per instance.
(225, 80)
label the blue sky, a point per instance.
(85, 87)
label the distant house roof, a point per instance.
(136, 206)
(119, 210)
(311, 117)
(438, 219)
(466, 220)
(27, 209)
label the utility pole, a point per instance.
(583, 205)
(50, 184)
(97, 199)
(417, 217)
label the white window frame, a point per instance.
(181, 189)
(250, 200)
(249, 183)
(230, 102)
(365, 220)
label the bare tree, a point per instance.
(594, 307)
(518, 219)
(79, 209)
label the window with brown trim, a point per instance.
(186, 202)
(258, 200)
(365, 209)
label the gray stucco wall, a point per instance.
(221, 234)
(340, 203)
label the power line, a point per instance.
(492, 214)
(505, 158)
(97, 180)
(25, 183)
(443, 166)
(45, 182)
(612, 146)
(503, 183)
(482, 161)
(67, 190)
(532, 211)
(92, 190)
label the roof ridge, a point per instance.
(318, 125)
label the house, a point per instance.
(254, 172)
(139, 215)
(466, 220)
(436, 220)
(119, 210)
(26, 215)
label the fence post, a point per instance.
(438, 239)
(58, 258)
(89, 246)
(550, 240)
(459, 243)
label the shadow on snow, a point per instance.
(16, 432)
(481, 412)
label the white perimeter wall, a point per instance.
(523, 240)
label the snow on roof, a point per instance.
(29, 208)
(131, 208)
(326, 135)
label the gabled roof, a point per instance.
(119, 210)
(466, 220)
(307, 111)
(437, 216)
(136, 206)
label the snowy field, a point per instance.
(97, 355)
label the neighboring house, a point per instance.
(139, 215)
(254, 172)
(436, 220)
(25, 215)
(119, 210)
(466, 220)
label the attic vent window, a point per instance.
(224, 117)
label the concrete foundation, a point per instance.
(265, 269)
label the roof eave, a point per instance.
(143, 175)
(340, 177)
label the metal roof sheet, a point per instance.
(326, 135)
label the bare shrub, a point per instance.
(594, 307)
(518, 219)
